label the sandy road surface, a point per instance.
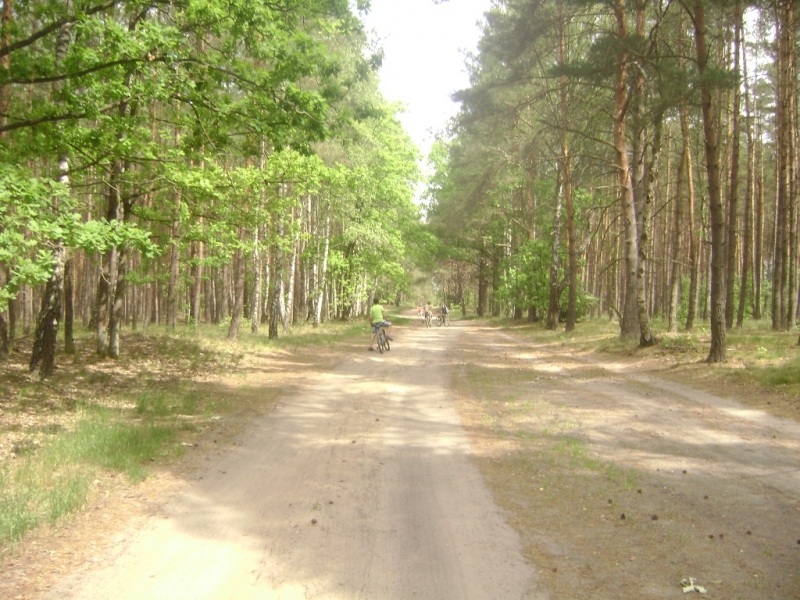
(680, 482)
(358, 487)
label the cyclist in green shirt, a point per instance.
(377, 320)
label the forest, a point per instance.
(213, 161)
(636, 158)
(233, 162)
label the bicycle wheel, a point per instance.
(381, 341)
(438, 321)
(386, 342)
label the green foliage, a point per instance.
(55, 480)
(30, 220)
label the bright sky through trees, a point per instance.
(424, 45)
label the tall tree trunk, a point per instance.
(174, 267)
(197, 286)
(482, 286)
(677, 225)
(629, 326)
(758, 225)
(116, 315)
(288, 311)
(110, 264)
(733, 188)
(238, 290)
(255, 309)
(747, 234)
(645, 332)
(276, 298)
(69, 312)
(717, 352)
(323, 270)
(572, 266)
(554, 306)
(44, 342)
(4, 346)
(791, 260)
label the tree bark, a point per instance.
(69, 312)
(677, 225)
(4, 346)
(255, 309)
(572, 266)
(645, 332)
(238, 290)
(717, 352)
(276, 298)
(629, 326)
(174, 264)
(554, 305)
(323, 270)
(733, 188)
(747, 234)
(44, 343)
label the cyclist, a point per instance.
(428, 311)
(377, 320)
(444, 310)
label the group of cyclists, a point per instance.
(378, 320)
(426, 312)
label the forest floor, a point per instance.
(469, 462)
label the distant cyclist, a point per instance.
(427, 314)
(378, 320)
(444, 310)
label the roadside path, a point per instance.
(358, 487)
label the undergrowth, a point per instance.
(98, 418)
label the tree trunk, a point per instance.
(482, 287)
(554, 306)
(629, 325)
(4, 346)
(289, 308)
(717, 352)
(197, 288)
(238, 290)
(276, 298)
(733, 188)
(69, 312)
(572, 267)
(44, 343)
(758, 226)
(677, 225)
(645, 332)
(255, 309)
(747, 234)
(323, 270)
(172, 290)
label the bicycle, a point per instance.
(442, 320)
(383, 341)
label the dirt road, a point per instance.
(467, 463)
(361, 486)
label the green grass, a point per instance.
(161, 403)
(56, 465)
(771, 358)
(47, 482)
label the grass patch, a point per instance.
(785, 374)
(48, 481)
(161, 403)
(97, 418)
